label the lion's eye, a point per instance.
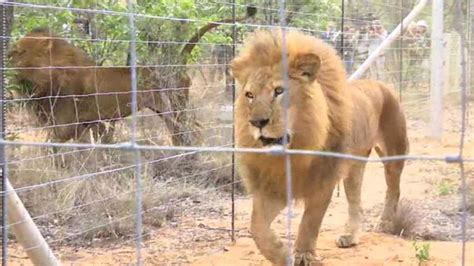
(279, 90)
(249, 95)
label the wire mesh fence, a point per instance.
(118, 129)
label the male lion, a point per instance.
(73, 94)
(325, 113)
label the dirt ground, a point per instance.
(200, 234)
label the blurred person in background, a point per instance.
(377, 34)
(417, 45)
(347, 47)
(329, 35)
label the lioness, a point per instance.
(325, 113)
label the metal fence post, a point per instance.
(3, 49)
(437, 65)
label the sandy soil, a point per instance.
(200, 234)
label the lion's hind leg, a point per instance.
(391, 141)
(393, 171)
(265, 209)
(352, 188)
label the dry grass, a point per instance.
(470, 191)
(89, 206)
(405, 222)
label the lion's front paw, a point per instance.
(346, 241)
(306, 259)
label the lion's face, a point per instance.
(266, 96)
(31, 51)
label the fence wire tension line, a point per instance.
(188, 132)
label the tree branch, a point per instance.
(188, 48)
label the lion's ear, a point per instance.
(306, 65)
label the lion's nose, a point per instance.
(260, 123)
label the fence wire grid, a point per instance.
(135, 164)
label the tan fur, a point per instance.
(73, 94)
(325, 113)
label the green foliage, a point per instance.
(422, 252)
(158, 21)
(445, 187)
(105, 29)
(23, 87)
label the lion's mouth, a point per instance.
(274, 141)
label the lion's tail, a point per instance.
(393, 128)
